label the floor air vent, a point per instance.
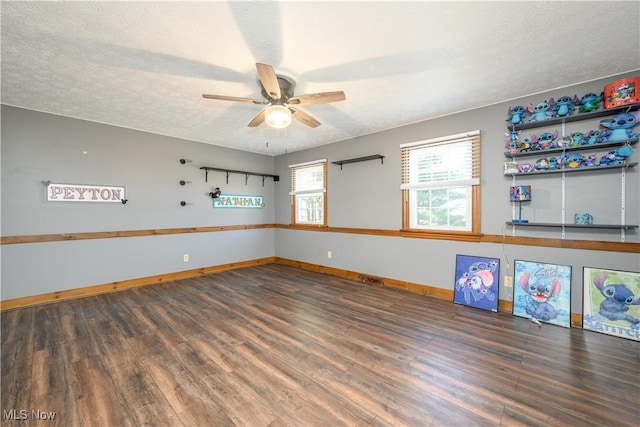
(371, 280)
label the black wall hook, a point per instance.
(124, 201)
(183, 203)
(215, 193)
(183, 161)
(183, 182)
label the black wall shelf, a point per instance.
(360, 159)
(246, 174)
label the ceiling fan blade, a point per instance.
(269, 80)
(257, 120)
(304, 118)
(234, 98)
(317, 98)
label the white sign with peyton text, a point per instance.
(57, 192)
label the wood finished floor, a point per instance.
(275, 346)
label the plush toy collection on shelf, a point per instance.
(614, 129)
(574, 161)
(552, 109)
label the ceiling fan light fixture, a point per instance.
(278, 116)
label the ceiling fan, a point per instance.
(278, 93)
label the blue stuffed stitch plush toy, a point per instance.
(593, 137)
(574, 161)
(540, 111)
(516, 114)
(512, 145)
(565, 105)
(590, 161)
(590, 102)
(619, 128)
(616, 157)
(577, 138)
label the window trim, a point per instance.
(323, 190)
(473, 182)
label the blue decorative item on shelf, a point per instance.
(525, 167)
(519, 194)
(590, 161)
(540, 111)
(565, 105)
(565, 141)
(541, 164)
(590, 102)
(583, 218)
(593, 137)
(525, 145)
(553, 163)
(616, 157)
(577, 138)
(619, 127)
(574, 161)
(545, 141)
(516, 114)
(512, 145)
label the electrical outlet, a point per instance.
(185, 257)
(508, 282)
(329, 254)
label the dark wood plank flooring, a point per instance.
(275, 346)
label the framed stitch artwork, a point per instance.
(542, 292)
(611, 302)
(477, 282)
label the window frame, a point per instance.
(295, 193)
(408, 188)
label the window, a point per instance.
(309, 193)
(440, 184)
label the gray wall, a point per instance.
(367, 195)
(38, 146)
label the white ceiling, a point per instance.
(145, 65)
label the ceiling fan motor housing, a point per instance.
(287, 86)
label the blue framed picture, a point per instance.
(477, 282)
(611, 302)
(542, 292)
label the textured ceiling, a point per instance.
(145, 65)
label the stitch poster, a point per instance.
(611, 302)
(542, 292)
(477, 282)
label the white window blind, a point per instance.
(309, 177)
(442, 162)
(308, 192)
(438, 177)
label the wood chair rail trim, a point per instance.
(608, 246)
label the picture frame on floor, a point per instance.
(542, 292)
(611, 302)
(477, 282)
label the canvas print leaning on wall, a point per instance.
(542, 292)
(611, 302)
(477, 282)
